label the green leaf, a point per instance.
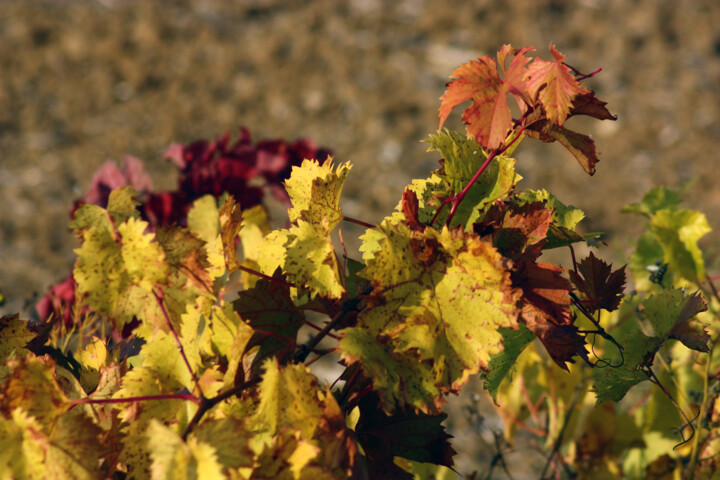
(502, 363)
(668, 314)
(463, 157)
(678, 233)
(173, 459)
(647, 259)
(656, 199)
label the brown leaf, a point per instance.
(599, 287)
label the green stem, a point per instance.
(706, 387)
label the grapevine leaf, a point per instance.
(679, 232)
(272, 252)
(289, 457)
(439, 297)
(546, 310)
(587, 104)
(256, 226)
(462, 158)
(646, 260)
(306, 256)
(93, 358)
(174, 459)
(69, 451)
(565, 218)
(488, 119)
(196, 330)
(270, 311)
(668, 313)
(314, 191)
(31, 385)
(581, 146)
(204, 222)
(14, 335)
(73, 448)
(398, 379)
(518, 231)
(231, 217)
(118, 264)
(288, 399)
(354, 282)
(410, 209)
(656, 199)
(21, 446)
(340, 451)
(503, 362)
(554, 85)
(202, 219)
(311, 261)
(417, 437)
(599, 287)
(230, 439)
(162, 372)
(193, 265)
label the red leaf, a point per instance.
(523, 231)
(410, 208)
(488, 119)
(599, 288)
(554, 85)
(546, 311)
(562, 342)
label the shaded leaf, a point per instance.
(417, 437)
(270, 311)
(599, 287)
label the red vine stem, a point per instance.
(358, 222)
(168, 396)
(208, 403)
(159, 298)
(459, 197)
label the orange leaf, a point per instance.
(554, 85)
(488, 119)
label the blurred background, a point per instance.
(85, 81)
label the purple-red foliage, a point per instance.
(242, 169)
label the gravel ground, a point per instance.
(87, 81)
